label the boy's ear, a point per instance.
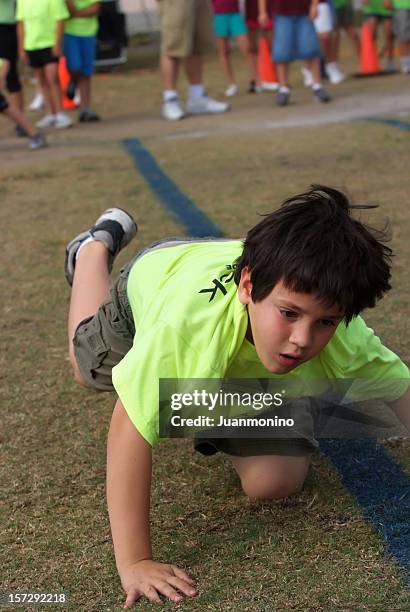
(245, 286)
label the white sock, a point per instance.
(284, 89)
(195, 92)
(86, 241)
(169, 94)
(316, 86)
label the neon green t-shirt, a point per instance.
(82, 26)
(189, 323)
(40, 17)
(376, 7)
(7, 11)
(401, 4)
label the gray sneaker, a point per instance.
(115, 228)
(38, 141)
(282, 98)
(321, 95)
(206, 106)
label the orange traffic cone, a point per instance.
(369, 62)
(266, 69)
(64, 78)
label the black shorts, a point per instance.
(41, 57)
(3, 103)
(8, 51)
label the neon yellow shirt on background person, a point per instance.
(40, 21)
(82, 26)
(376, 7)
(401, 4)
(189, 323)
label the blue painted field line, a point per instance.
(403, 125)
(197, 224)
(381, 487)
(367, 469)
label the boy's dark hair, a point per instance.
(314, 245)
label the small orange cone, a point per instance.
(266, 68)
(369, 62)
(64, 78)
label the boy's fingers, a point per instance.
(182, 586)
(166, 589)
(132, 596)
(152, 594)
(181, 574)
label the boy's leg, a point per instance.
(89, 259)
(41, 79)
(224, 57)
(245, 47)
(51, 79)
(271, 476)
(91, 285)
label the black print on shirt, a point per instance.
(218, 284)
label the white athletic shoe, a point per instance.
(46, 121)
(232, 90)
(334, 74)
(37, 103)
(62, 121)
(206, 106)
(172, 110)
(307, 77)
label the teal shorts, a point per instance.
(229, 24)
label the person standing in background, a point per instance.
(186, 32)
(80, 39)
(40, 28)
(9, 52)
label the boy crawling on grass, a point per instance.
(285, 302)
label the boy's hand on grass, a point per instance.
(153, 579)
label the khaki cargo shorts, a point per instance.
(186, 27)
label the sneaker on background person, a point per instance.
(88, 115)
(204, 105)
(38, 141)
(282, 97)
(62, 120)
(321, 94)
(334, 73)
(37, 102)
(231, 90)
(172, 109)
(307, 77)
(46, 121)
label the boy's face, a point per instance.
(287, 328)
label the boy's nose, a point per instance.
(301, 336)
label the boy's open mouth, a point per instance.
(287, 359)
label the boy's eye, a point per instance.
(328, 323)
(288, 314)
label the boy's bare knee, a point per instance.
(273, 488)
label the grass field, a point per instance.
(312, 552)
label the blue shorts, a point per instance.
(229, 24)
(79, 52)
(294, 38)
